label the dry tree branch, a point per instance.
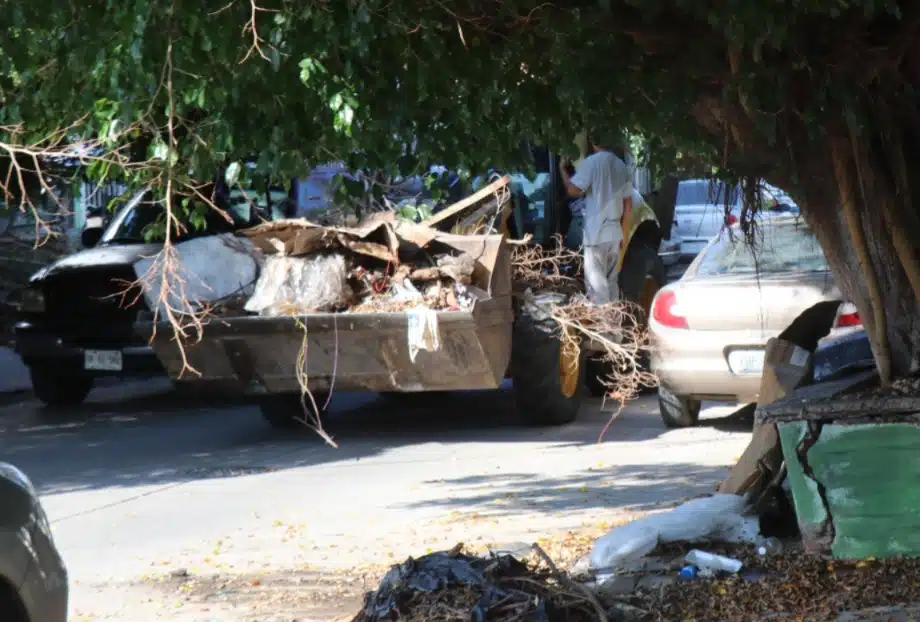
(183, 317)
(537, 267)
(614, 330)
(252, 27)
(311, 413)
(574, 586)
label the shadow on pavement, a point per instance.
(637, 486)
(149, 435)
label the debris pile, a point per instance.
(383, 265)
(451, 586)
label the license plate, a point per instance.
(746, 362)
(103, 360)
(692, 248)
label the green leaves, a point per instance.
(396, 86)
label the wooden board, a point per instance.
(820, 401)
(458, 207)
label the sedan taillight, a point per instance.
(847, 316)
(664, 310)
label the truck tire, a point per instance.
(547, 383)
(283, 411)
(58, 390)
(678, 412)
(12, 608)
(643, 274)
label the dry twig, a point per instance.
(539, 268)
(613, 328)
(311, 410)
(572, 585)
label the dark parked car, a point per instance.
(33, 578)
(75, 319)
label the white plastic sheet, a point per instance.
(207, 269)
(717, 518)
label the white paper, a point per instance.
(423, 331)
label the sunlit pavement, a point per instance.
(143, 481)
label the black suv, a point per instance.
(74, 322)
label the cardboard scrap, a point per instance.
(375, 237)
(786, 367)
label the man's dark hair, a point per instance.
(608, 140)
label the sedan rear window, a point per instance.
(778, 247)
(705, 192)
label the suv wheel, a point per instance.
(676, 411)
(59, 390)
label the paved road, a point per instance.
(143, 483)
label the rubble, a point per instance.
(383, 265)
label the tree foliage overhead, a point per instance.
(817, 96)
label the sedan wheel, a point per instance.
(676, 411)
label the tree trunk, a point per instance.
(888, 309)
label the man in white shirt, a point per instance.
(606, 183)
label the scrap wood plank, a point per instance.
(487, 215)
(463, 204)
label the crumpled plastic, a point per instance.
(296, 285)
(719, 518)
(441, 571)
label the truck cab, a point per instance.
(74, 321)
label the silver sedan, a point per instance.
(709, 329)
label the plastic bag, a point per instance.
(443, 571)
(716, 518)
(296, 285)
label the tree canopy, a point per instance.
(816, 96)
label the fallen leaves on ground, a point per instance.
(806, 586)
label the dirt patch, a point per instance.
(301, 595)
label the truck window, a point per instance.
(705, 192)
(142, 214)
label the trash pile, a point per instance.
(680, 580)
(450, 586)
(294, 266)
(383, 265)
(718, 518)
